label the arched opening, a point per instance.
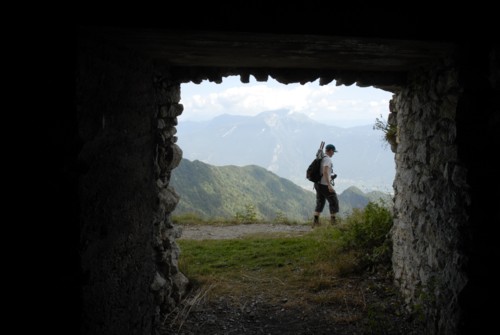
(334, 298)
(279, 127)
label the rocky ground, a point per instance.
(365, 304)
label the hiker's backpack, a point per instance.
(313, 172)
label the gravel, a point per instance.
(196, 232)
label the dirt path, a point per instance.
(237, 231)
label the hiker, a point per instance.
(324, 188)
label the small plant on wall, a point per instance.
(390, 131)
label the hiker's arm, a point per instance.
(326, 174)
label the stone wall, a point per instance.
(430, 197)
(126, 116)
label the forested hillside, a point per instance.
(225, 191)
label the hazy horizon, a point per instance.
(341, 106)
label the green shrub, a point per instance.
(366, 233)
(249, 216)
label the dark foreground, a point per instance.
(364, 305)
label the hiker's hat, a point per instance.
(330, 147)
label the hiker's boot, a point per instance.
(315, 221)
(333, 220)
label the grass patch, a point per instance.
(265, 264)
(304, 267)
(321, 275)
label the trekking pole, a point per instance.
(320, 154)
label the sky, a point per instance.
(341, 106)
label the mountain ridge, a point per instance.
(284, 143)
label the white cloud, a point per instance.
(343, 106)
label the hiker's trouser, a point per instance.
(323, 194)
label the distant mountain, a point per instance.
(353, 197)
(285, 143)
(377, 196)
(222, 191)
